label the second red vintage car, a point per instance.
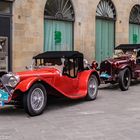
(122, 67)
(52, 73)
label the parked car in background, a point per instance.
(122, 67)
(52, 73)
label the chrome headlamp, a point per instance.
(13, 81)
(10, 79)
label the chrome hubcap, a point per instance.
(37, 99)
(92, 87)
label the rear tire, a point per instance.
(92, 88)
(124, 79)
(35, 100)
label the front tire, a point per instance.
(35, 100)
(124, 79)
(92, 88)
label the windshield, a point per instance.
(119, 53)
(50, 63)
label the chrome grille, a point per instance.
(105, 67)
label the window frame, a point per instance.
(66, 71)
(133, 20)
(10, 8)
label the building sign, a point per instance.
(135, 38)
(58, 37)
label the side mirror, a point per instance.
(26, 67)
(29, 67)
(86, 64)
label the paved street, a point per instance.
(115, 115)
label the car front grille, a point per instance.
(105, 67)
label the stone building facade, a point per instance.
(28, 28)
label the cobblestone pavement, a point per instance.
(115, 115)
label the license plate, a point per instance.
(3, 95)
(1, 103)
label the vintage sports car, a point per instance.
(124, 66)
(52, 73)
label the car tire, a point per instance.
(35, 100)
(92, 88)
(124, 79)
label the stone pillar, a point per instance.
(28, 25)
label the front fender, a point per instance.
(121, 67)
(26, 84)
(84, 77)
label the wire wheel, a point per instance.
(92, 88)
(37, 99)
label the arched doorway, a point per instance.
(134, 25)
(105, 29)
(58, 25)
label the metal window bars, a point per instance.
(59, 10)
(106, 9)
(135, 15)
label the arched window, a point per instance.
(134, 25)
(59, 9)
(58, 25)
(106, 9)
(105, 29)
(135, 15)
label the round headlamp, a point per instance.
(13, 81)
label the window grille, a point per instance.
(135, 15)
(59, 10)
(106, 9)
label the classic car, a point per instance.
(122, 67)
(58, 73)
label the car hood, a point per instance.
(43, 72)
(121, 59)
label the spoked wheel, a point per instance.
(35, 100)
(92, 88)
(124, 79)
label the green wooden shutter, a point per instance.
(104, 39)
(58, 35)
(134, 34)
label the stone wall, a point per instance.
(28, 24)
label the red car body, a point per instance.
(73, 88)
(53, 73)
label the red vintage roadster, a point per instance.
(52, 73)
(122, 67)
